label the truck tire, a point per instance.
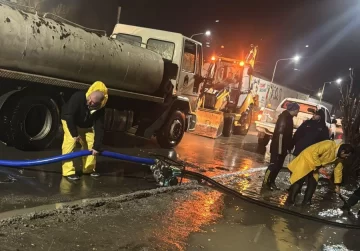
(244, 129)
(34, 123)
(262, 142)
(172, 131)
(228, 126)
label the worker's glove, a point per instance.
(337, 189)
(77, 139)
(94, 152)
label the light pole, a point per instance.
(296, 58)
(207, 33)
(320, 94)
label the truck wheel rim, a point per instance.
(37, 122)
(175, 130)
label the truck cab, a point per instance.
(185, 52)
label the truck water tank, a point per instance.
(33, 44)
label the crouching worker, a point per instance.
(307, 165)
(82, 118)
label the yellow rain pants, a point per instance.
(87, 142)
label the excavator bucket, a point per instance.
(209, 123)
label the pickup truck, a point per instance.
(266, 125)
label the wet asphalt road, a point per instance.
(233, 161)
(196, 219)
(43, 185)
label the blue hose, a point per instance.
(124, 157)
(55, 159)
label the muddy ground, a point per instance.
(187, 217)
(99, 224)
(131, 215)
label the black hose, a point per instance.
(263, 204)
(235, 193)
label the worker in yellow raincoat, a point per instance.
(308, 163)
(82, 117)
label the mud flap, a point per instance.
(4, 118)
(209, 123)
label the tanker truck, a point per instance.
(44, 59)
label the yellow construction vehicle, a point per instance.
(226, 103)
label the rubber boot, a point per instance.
(293, 192)
(273, 186)
(350, 202)
(271, 181)
(310, 190)
(345, 207)
(266, 181)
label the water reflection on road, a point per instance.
(215, 157)
(248, 227)
(228, 223)
(189, 216)
(209, 220)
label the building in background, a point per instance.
(271, 94)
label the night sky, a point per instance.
(282, 29)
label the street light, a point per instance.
(206, 33)
(295, 59)
(338, 81)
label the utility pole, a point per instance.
(118, 15)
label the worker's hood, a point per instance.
(98, 86)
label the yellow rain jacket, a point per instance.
(320, 154)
